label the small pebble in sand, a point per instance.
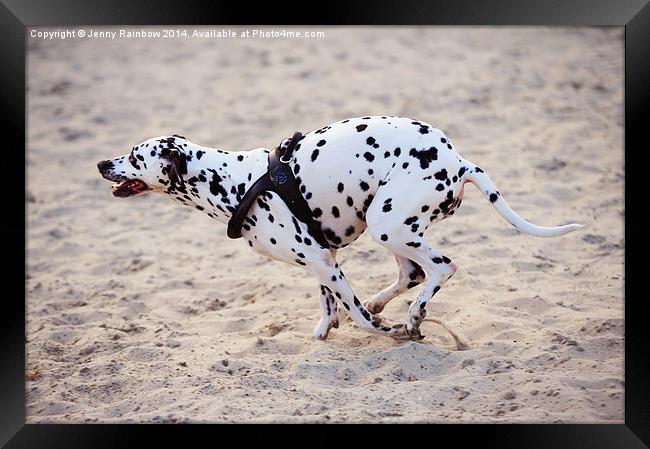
(182, 363)
(510, 395)
(173, 343)
(467, 362)
(224, 362)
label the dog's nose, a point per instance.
(104, 165)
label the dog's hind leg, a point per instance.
(401, 229)
(287, 239)
(410, 275)
(437, 267)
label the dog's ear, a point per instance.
(178, 164)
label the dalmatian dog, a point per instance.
(394, 176)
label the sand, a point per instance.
(140, 310)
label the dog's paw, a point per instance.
(321, 330)
(415, 334)
(373, 308)
(399, 332)
(323, 327)
(415, 318)
(320, 335)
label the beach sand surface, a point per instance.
(139, 310)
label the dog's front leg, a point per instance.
(329, 314)
(329, 273)
(275, 232)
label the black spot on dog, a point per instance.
(314, 155)
(331, 236)
(340, 187)
(335, 212)
(321, 143)
(364, 185)
(263, 205)
(367, 201)
(296, 225)
(369, 156)
(349, 231)
(397, 152)
(361, 127)
(425, 156)
(441, 175)
(493, 198)
(384, 237)
(370, 140)
(410, 220)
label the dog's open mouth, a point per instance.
(129, 187)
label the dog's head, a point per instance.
(154, 165)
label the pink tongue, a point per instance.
(129, 185)
(118, 186)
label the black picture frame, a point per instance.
(634, 15)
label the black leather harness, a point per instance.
(279, 179)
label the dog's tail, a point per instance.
(479, 178)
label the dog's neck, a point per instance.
(216, 180)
